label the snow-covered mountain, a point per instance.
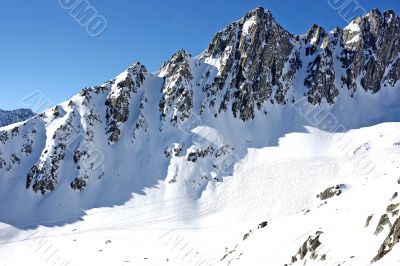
(15, 116)
(207, 147)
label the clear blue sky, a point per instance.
(44, 49)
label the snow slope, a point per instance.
(275, 184)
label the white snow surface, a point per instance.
(275, 184)
(353, 26)
(248, 24)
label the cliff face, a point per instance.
(261, 60)
(252, 54)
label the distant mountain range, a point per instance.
(15, 116)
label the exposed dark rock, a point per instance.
(3, 137)
(390, 241)
(15, 131)
(77, 156)
(331, 192)
(369, 218)
(392, 208)
(383, 221)
(199, 153)
(254, 50)
(119, 99)
(250, 55)
(15, 159)
(79, 183)
(320, 73)
(44, 175)
(27, 148)
(308, 247)
(394, 196)
(379, 35)
(177, 102)
(320, 79)
(262, 225)
(58, 112)
(173, 151)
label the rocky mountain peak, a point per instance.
(120, 97)
(129, 81)
(372, 43)
(179, 58)
(315, 35)
(374, 12)
(258, 19)
(137, 67)
(177, 100)
(389, 15)
(258, 14)
(374, 23)
(252, 51)
(258, 11)
(375, 19)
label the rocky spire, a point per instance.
(372, 43)
(253, 51)
(119, 99)
(177, 100)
